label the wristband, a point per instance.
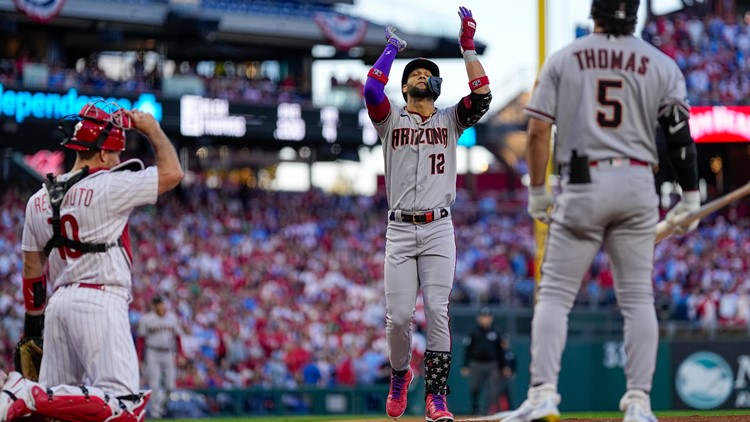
(479, 82)
(470, 56)
(378, 75)
(34, 293)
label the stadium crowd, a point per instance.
(281, 289)
(712, 51)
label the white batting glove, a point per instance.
(690, 201)
(540, 200)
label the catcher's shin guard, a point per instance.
(86, 404)
(22, 397)
(13, 398)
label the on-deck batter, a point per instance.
(419, 148)
(605, 93)
(87, 332)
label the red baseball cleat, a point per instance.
(436, 409)
(395, 405)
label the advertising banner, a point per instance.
(720, 124)
(713, 375)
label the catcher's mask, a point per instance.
(100, 125)
(433, 82)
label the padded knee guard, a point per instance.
(86, 404)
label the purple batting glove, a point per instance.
(468, 28)
(393, 39)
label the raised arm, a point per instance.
(472, 107)
(167, 163)
(375, 99)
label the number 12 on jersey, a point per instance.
(437, 163)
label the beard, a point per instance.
(417, 92)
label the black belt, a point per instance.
(419, 217)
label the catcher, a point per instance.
(76, 228)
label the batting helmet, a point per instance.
(93, 128)
(422, 63)
(621, 10)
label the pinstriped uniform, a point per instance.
(420, 175)
(87, 331)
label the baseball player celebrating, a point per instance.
(159, 333)
(605, 93)
(419, 147)
(76, 226)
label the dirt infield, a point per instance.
(727, 418)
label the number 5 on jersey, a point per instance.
(611, 116)
(437, 163)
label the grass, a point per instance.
(659, 413)
(371, 417)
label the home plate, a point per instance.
(496, 417)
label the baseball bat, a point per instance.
(665, 229)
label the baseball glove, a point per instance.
(27, 358)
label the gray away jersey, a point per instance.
(604, 94)
(420, 158)
(160, 331)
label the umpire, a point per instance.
(483, 361)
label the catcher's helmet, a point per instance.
(621, 10)
(421, 63)
(93, 128)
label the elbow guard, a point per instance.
(680, 146)
(473, 107)
(35, 293)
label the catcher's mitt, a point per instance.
(27, 358)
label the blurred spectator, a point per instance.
(713, 53)
(287, 291)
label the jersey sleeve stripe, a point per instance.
(539, 114)
(683, 106)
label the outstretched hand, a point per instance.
(393, 39)
(468, 28)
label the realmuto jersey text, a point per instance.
(94, 210)
(604, 93)
(420, 158)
